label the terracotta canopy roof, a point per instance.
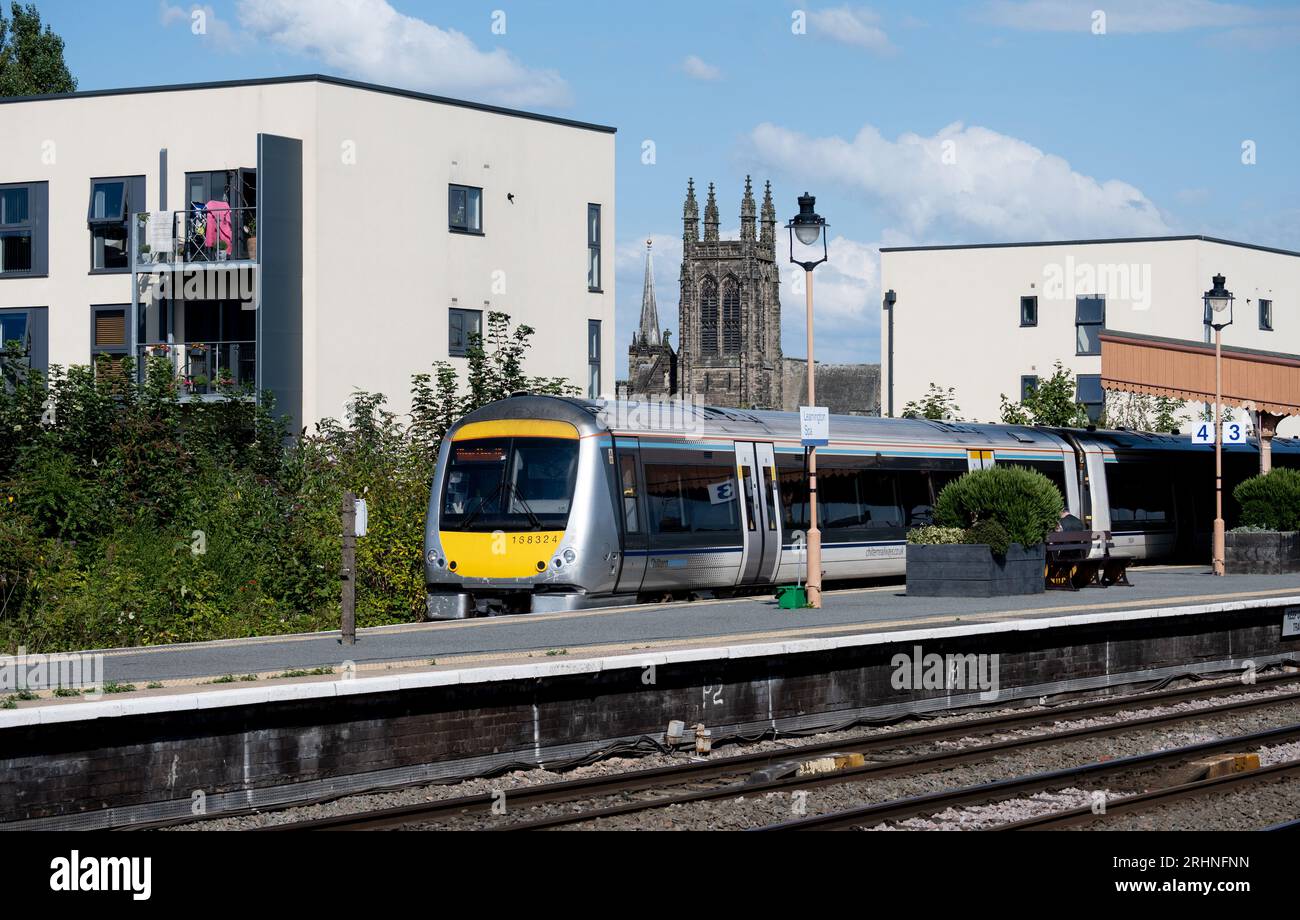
(1260, 380)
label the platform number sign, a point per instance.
(1233, 433)
(722, 492)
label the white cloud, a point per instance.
(202, 21)
(849, 25)
(963, 184)
(698, 69)
(371, 40)
(1128, 15)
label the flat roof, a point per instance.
(315, 78)
(1128, 239)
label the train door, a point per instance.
(632, 515)
(760, 523)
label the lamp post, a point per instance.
(1218, 315)
(807, 227)
(890, 299)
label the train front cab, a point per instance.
(519, 518)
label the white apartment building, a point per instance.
(992, 319)
(309, 236)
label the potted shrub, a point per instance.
(221, 250)
(1268, 540)
(989, 538)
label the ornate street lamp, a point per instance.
(1218, 315)
(807, 227)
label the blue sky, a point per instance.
(923, 122)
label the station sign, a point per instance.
(1233, 433)
(1291, 623)
(815, 425)
(363, 518)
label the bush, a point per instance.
(1271, 501)
(935, 536)
(1024, 502)
(988, 533)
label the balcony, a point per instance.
(206, 369)
(197, 238)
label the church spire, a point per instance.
(747, 213)
(690, 215)
(649, 332)
(769, 218)
(711, 217)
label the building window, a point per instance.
(461, 326)
(108, 345)
(24, 338)
(593, 248)
(731, 317)
(1266, 315)
(1091, 395)
(1029, 311)
(1089, 320)
(112, 202)
(1028, 383)
(23, 229)
(464, 209)
(709, 317)
(593, 358)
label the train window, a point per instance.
(1141, 496)
(794, 498)
(914, 496)
(769, 496)
(691, 499)
(510, 484)
(747, 490)
(839, 498)
(631, 515)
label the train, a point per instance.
(543, 503)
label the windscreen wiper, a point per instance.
(532, 517)
(482, 503)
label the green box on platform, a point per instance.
(791, 597)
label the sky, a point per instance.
(928, 122)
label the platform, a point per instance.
(659, 627)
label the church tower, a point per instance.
(651, 363)
(730, 306)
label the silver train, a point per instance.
(541, 503)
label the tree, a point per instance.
(31, 58)
(1139, 412)
(1051, 403)
(937, 404)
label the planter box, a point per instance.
(1273, 553)
(973, 571)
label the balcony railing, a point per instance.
(199, 236)
(206, 368)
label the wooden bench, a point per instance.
(1069, 567)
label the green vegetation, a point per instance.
(1050, 403)
(937, 404)
(1024, 503)
(112, 686)
(1271, 501)
(936, 536)
(129, 517)
(31, 58)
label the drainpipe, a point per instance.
(890, 299)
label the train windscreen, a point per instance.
(509, 484)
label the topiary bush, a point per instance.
(1024, 502)
(1271, 501)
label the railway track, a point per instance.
(704, 781)
(899, 809)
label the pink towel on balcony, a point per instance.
(218, 223)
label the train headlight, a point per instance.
(570, 556)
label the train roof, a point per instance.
(697, 422)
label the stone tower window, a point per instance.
(731, 317)
(709, 317)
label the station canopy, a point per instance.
(1261, 381)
